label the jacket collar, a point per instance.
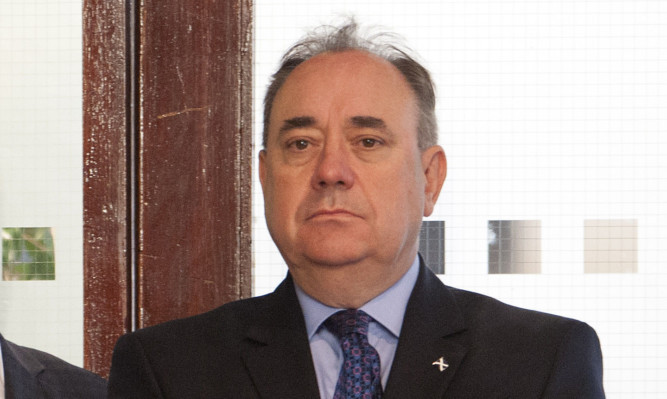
(276, 351)
(430, 348)
(21, 372)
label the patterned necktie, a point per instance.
(360, 375)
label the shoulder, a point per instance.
(496, 330)
(542, 354)
(491, 327)
(192, 340)
(486, 313)
(481, 314)
(56, 376)
(224, 324)
(56, 367)
(188, 357)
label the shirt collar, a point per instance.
(388, 308)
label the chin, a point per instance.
(335, 257)
(333, 261)
(334, 246)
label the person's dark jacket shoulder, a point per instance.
(31, 373)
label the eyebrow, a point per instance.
(368, 122)
(361, 121)
(296, 123)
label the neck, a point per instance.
(349, 286)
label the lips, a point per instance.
(331, 213)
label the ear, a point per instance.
(262, 167)
(434, 165)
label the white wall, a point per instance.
(41, 167)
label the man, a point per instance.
(29, 373)
(350, 166)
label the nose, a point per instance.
(333, 168)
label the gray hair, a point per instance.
(344, 38)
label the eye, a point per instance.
(369, 142)
(300, 144)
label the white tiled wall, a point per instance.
(41, 167)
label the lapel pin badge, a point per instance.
(441, 363)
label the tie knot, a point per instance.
(349, 321)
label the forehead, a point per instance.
(350, 82)
(360, 62)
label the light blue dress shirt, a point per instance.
(387, 309)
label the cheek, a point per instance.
(281, 196)
(409, 189)
(393, 196)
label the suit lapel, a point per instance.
(21, 372)
(429, 349)
(276, 351)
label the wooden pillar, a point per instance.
(105, 181)
(167, 125)
(196, 143)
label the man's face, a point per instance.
(344, 181)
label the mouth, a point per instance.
(331, 214)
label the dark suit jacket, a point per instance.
(34, 374)
(258, 348)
